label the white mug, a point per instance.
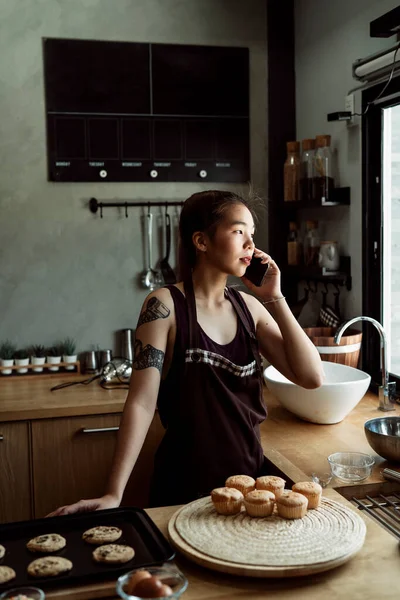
(329, 255)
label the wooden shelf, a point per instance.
(303, 273)
(45, 372)
(339, 197)
(281, 213)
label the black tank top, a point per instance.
(211, 405)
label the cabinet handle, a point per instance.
(1, 438)
(98, 429)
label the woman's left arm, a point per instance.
(282, 341)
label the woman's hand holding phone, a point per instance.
(263, 276)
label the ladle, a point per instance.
(166, 269)
(150, 277)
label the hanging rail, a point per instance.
(95, 205)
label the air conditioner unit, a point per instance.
(377, 65)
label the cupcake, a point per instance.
(273, 484)
(226, 500)
(291, 505)
(259, 503)
(312, 491)
(243, 483)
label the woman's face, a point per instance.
(232, 246)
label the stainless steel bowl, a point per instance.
(383, 435)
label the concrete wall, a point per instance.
(330, 36)
(63, 271)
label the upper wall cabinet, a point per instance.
(121, 111)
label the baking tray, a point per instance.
(138, 531)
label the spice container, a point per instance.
(311, 244)
(307, 171)
(291, 173)
(293, 245)
(324, 181)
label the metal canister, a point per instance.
(90, 362)
(104, 357)
(126, 336)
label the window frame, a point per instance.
(372, 220)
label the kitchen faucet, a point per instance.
(387, 391)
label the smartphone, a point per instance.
(256, 271)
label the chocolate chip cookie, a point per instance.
(113, 553)
(102, 535)
(6, 574)
(49, 566)
(49, 542)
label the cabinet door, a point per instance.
(72, 458)
(15, 494)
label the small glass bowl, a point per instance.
(322, 477)
(33, 593)
(167, 572)
(351, 466)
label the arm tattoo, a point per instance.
(147, 357)
(155, 309)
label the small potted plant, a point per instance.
(68, 350)
(21, 358)
(38, 357)
(53, 356)
(7, 350)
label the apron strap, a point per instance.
(245, 322)
(192, 314)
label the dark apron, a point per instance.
(211, 415)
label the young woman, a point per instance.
(197, 357)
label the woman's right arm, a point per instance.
(151, 342)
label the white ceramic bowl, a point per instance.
(342, 389)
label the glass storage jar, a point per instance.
(291, 173)
(293, 245)
(324, 181)
(307, 170)
(311, 244)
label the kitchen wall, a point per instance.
(63, 270)
(330, 36)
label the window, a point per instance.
(381, 227)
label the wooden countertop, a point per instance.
(307, 445)
(294, 446)
(373, 573)
(31, 398)
(303, 444)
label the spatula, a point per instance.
(166, 269)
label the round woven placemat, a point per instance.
(324, 535)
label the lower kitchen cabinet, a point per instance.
(72, 457)
(15, 491)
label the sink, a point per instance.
(341, 391)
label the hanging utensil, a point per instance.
(166, 269)
(150, 277)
